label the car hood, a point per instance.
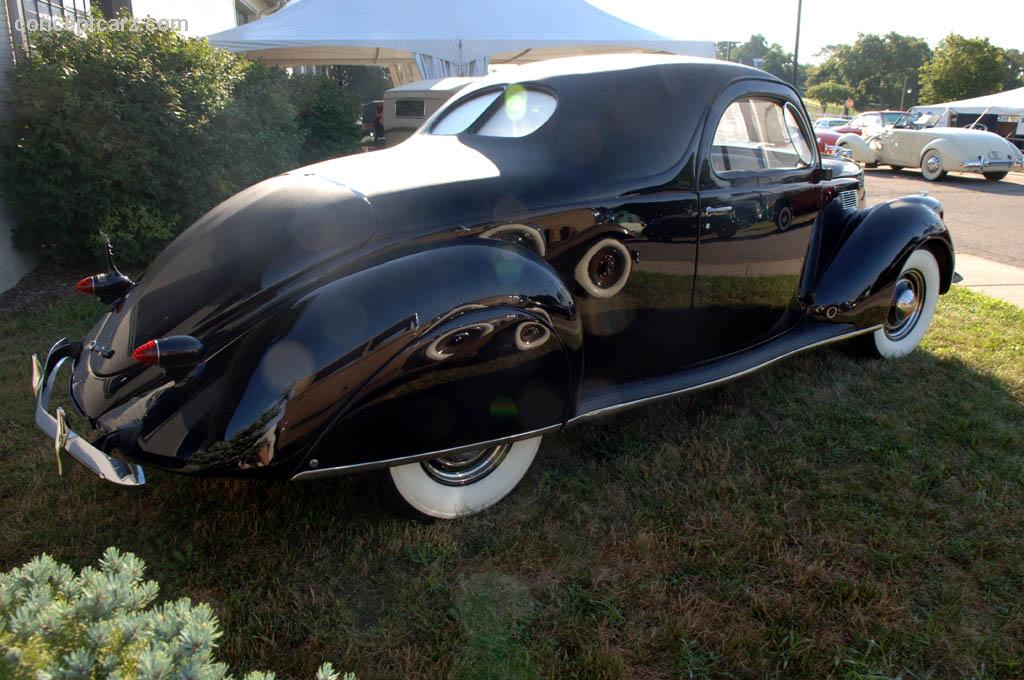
(249, 250)
(841, 169)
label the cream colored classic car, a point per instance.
(936, 150)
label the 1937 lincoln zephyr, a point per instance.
(537, 255)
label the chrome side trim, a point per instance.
(417, 458)
(104, 466)
(609, 410)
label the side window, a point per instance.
(759, 134)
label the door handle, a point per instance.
(719, 210)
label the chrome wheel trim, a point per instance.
(460, 469)
(907, 303)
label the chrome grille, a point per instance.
(849, 199)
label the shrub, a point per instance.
(139, 133)
(327, 117)
(100, 623)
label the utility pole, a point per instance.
(796, 48)
(904, 91)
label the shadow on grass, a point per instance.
(830, 516)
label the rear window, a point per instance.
(520, 112)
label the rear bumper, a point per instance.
(55, 427)
(983, 164)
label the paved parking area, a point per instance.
(986, 220)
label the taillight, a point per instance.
(86, 285)
(174, 351)
(147, 353)
(108, 287)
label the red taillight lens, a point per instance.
(173, 351)
(87, 285)
(147, 353)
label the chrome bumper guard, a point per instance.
(55, 426)
(839, 152)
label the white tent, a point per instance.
(1009, 103)
(441, 37)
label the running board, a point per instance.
(807, 336)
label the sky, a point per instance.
(824, 22)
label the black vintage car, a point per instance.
(537, 255)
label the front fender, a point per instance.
(856, 284)
(862, 151)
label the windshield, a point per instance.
(891, 117)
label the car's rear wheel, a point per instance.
(995, 176)
(931, 166)
(462, 484)
(911, 310)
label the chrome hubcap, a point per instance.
(463, 468)
(933, 164)
(907, 302)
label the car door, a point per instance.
(758, 200)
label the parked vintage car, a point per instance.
(528, 260)
(827, 123)
(870, 122)
(936, 150)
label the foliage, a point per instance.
(829, 92)
(101, 622)
(961, 68)
(769, 57)
(368, 83)
(139, 133)
(329, 118)
(877, 69)
(1013, 63)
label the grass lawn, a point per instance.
(830, 517)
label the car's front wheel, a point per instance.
(462, 484)
(995, 176)
(911, 310)
(931, 166)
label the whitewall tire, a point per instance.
(463, 484)
(931, 166)
(913, 305)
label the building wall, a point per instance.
(13, 265)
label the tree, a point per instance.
(829, 92)
(877, 69)
(962, 68)
(1013, 62)
(768, 57)
(366, 82)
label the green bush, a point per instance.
(137, 134)
(99, 623)
(329, 118)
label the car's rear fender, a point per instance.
(855, 279)
(298, 373)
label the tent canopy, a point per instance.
(442, 37)
(1009, 103)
